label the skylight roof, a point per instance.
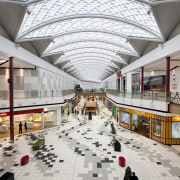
(81, 52)
(89, 24)
(89, 32)
(122, 42)
(84, 44)
(47, 11)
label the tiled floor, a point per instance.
(80, 152)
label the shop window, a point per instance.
(143, 123)
(125, 117)
(156, 128)
(176, 129)
(134, 121)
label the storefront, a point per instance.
(164, 129)
(33, 118)
(114, 110)
(110, 105)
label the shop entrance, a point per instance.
(141, 124)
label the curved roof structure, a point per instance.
(89, 33)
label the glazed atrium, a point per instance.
(70, 70)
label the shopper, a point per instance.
(133, 177)
(113, 130)
(127, 173)
(25, 126)
(112, 141)
(20, 128)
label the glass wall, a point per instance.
(156, 128)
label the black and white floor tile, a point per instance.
(81, 152)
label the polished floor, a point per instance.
(76, 151)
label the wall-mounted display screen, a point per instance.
(125, 117)
(176, 129)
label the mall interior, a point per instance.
(70, 70)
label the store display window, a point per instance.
(125, 117)
(156, 128)
(134, 121)
(175, 129)
(143, 122)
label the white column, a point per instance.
(42, 120)
(58, 116)
(129, 82)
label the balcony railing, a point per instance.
(4, 95)
(151, 95)
(90, 91)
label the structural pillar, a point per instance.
(59, 115)
(167, 78)
(142, 80)
(42, 120)
(11, 100)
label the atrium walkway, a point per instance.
(80, 152)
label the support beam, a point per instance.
(11, 99)
(142, 80)
(167, 77)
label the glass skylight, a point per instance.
(88, 24)
(46, 11)
(104, 57)
(80, 45)
(80, 52)
(92, 36)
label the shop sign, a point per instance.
(119, 74)
(3, 114)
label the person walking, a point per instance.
(113, 130)
(127, 173)
(25, 126)
(133, 177)
(20, 128)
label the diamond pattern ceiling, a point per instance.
(89, 33)
(124, 46)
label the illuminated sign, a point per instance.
(3, 114)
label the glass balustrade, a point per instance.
(18, 94)
(149, 95)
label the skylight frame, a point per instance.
(86, 44)
(93, 54)
(91, 36)
(124, 10)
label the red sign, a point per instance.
(119, 74)
(3, 114)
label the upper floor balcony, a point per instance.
(152, 100)
(35, 97)
(92, 92)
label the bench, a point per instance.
(38, 144)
